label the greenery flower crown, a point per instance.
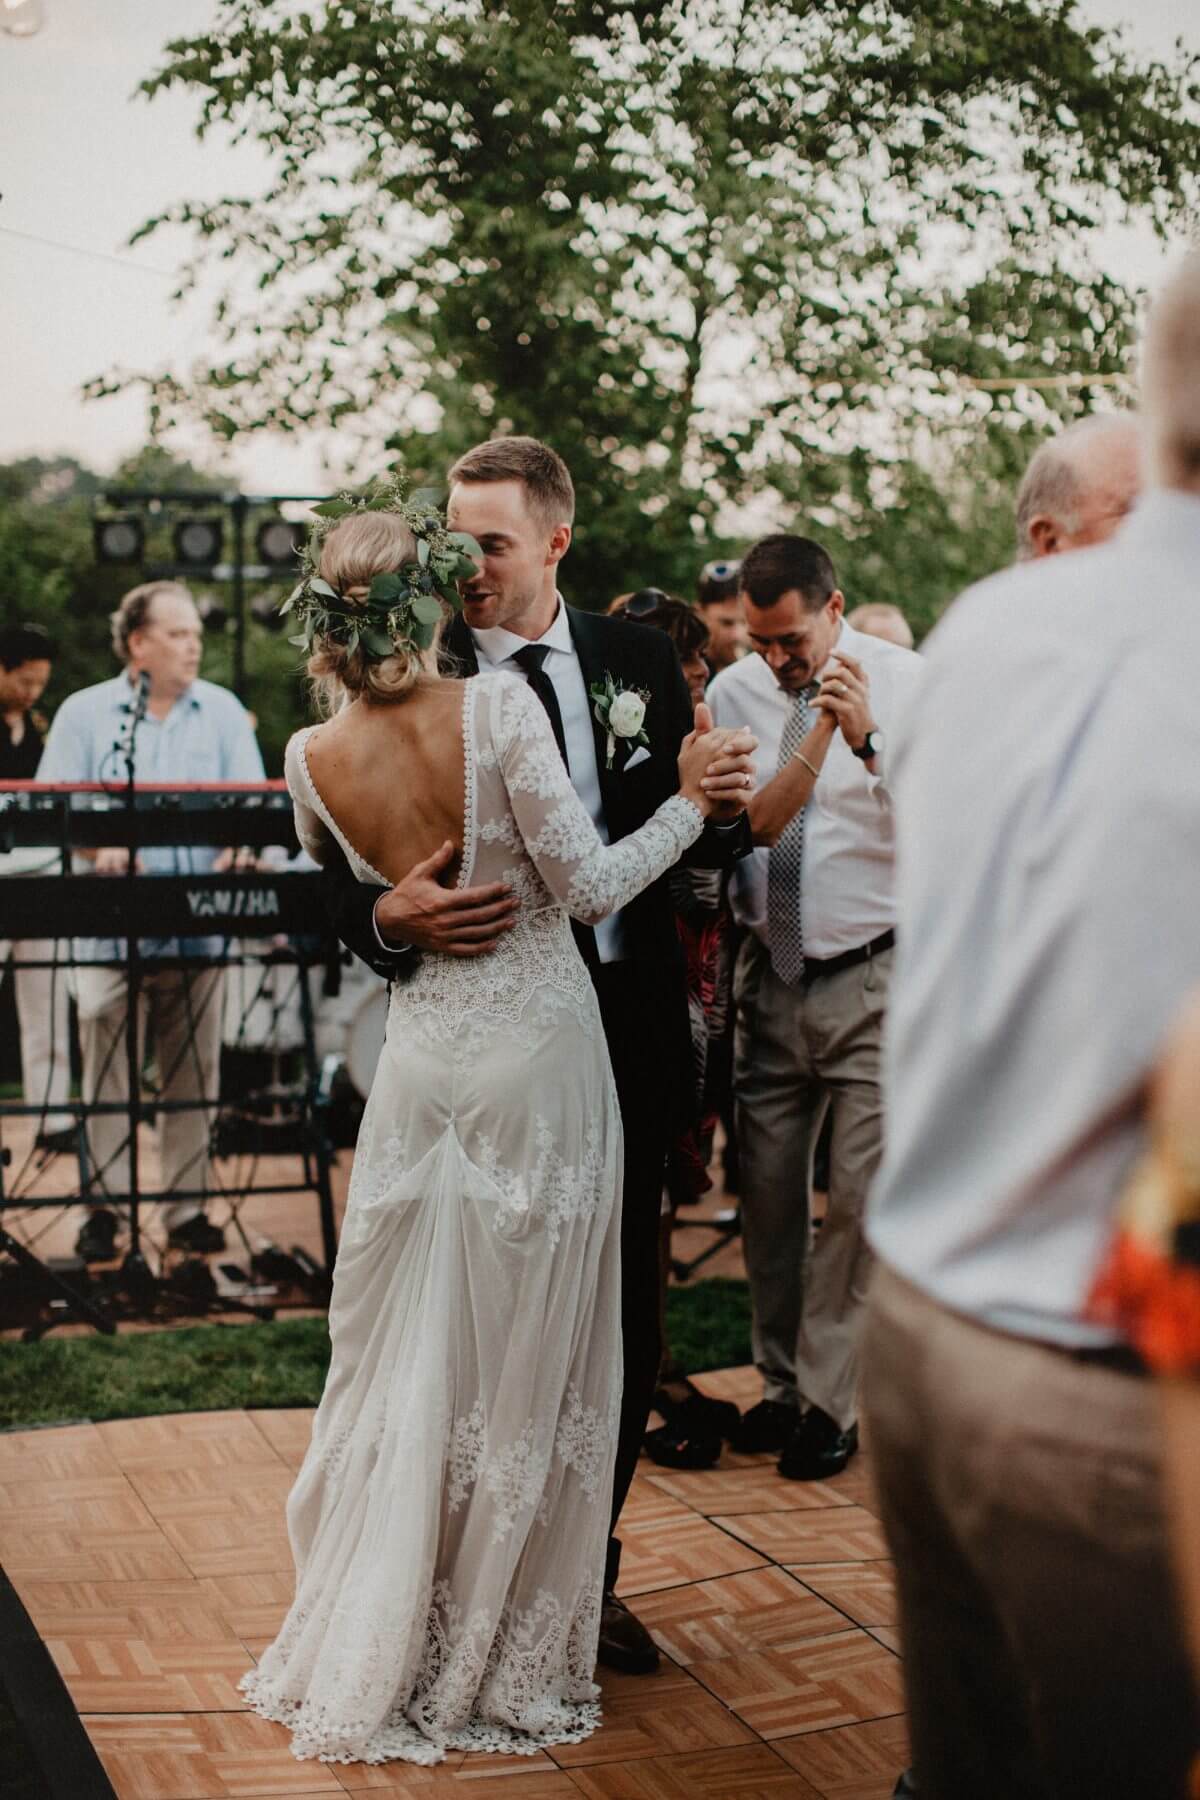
(403, 605)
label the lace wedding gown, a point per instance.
(450, 1520)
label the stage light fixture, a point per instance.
(265, 612)
(198, 542)
(278, 540)
(119, 539)
(22, 18)
(213, 616)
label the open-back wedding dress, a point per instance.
(450, 1520)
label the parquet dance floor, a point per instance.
(152, 1558)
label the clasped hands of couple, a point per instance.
(716, 773)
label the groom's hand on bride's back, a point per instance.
(419, 913)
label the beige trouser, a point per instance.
(45, 1040)
(184, 1006)
(1020, 1492)
(799, 1052)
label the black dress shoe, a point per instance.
(625, 1644)
(57, 1143)
(906, 1788)
(97, 1240)
(198, 1235)
(766, 1426)
(817, 1447)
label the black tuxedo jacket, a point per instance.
(637, 656)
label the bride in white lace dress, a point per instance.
(450, 1519)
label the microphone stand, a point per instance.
(135, 1273)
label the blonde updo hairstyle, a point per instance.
(355, 550)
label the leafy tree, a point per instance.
(725, 254)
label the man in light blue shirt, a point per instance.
(1047, 796)
(192, 731)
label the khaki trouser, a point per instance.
(45, 1039)
(185, 1008)
(1020, 1492)
(799, 1052)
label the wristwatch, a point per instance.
(872, 745)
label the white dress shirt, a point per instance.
(846, 872)
(495, 649)
(1048, 893)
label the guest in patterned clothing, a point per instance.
(694, 1425)
(1150, 1286)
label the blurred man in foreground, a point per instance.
(1017, 1445)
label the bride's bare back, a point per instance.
(393, 776)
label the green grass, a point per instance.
(208, 1368)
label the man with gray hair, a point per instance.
(1079, 486)
(187, 730)
(1047, 872)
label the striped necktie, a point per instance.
(785, 860)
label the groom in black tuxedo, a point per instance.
(515, 496)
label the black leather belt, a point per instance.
(815, 967)
(1122, 1359)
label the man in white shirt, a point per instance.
(811, 984)
(1047, 882)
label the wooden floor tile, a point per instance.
(834, 1534)
(64, 1452)
(865, 1592)
(287, 1430)
(253, 1605)
(230, 1536)
(111, 1675)
(485, 1777)
(650, 1499)
(856, 1762)
(830, 1681)
(754, 1487)
(654, 1715)
(763, 1609)
(93, 1556)
(855, 1484)
(889, 1636)
(213, 1756)
(752, 1773)
(687, 1548)
(153, 1558)
(206, 1439)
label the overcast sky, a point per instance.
(83, 164)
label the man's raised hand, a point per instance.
(422, 914)
(729, 779)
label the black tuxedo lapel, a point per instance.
(595, 661)
(461, 644)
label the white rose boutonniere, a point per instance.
(621, 711)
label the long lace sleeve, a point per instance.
(311, 829)
(589, 877)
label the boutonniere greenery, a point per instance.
(405, 603)
(620, 712)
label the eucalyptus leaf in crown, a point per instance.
(404, 603)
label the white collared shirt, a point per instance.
(846, 873)
(1048, 895)
(495, 649)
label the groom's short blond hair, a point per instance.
(549, 490)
